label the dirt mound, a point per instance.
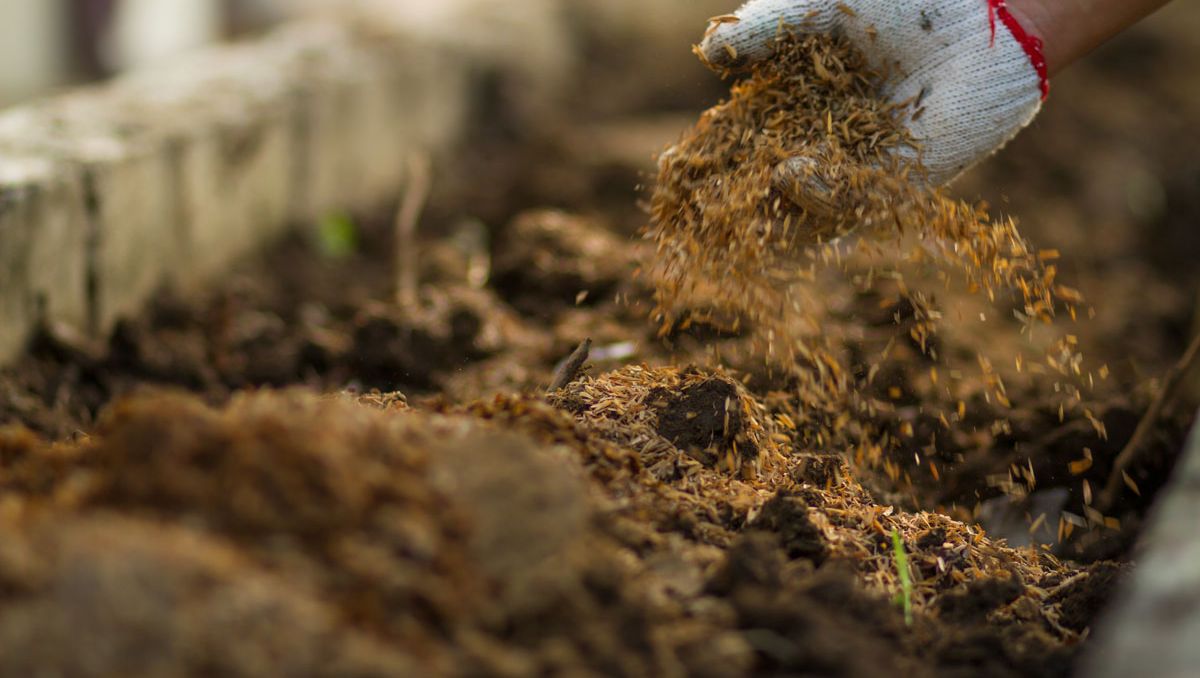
(505, 537)
(110, 595)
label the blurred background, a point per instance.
(1109, 173)
(47, 44)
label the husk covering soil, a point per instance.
(303, 536)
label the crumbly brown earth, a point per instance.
(479, 526)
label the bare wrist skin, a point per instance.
(1071, 29)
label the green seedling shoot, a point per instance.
(337, 237)
(904, 597)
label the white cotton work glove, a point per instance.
(970, 73)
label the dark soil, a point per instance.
(164, 510)
(786, 517)
(1090, 594)
(701, 417)
(973, 605)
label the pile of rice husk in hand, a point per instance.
(724, 211)
(815, 102)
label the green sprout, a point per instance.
(337, 236)
(904, 597)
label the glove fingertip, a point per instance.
(800, 180)
(735, 41)
(719, 49)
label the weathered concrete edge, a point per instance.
(1153, 627)
(168, 176)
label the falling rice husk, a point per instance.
(737, 236)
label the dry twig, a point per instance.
(566, 370)
(1170, 389)
(407, 218)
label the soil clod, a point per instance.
(703, 418)
(787, 516)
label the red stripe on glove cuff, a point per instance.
(1032, 44)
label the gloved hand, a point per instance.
(970, 74)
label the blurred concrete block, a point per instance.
(366, 105)
(44, 238)
(138, 239)
(169, 175)
(1153, 627)
(350, 154)
(33, 48)
(59, 249)
(526, 48)
(16, 217)
(128, 193)
(146, 31)
(225, 122)
(187, 167)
